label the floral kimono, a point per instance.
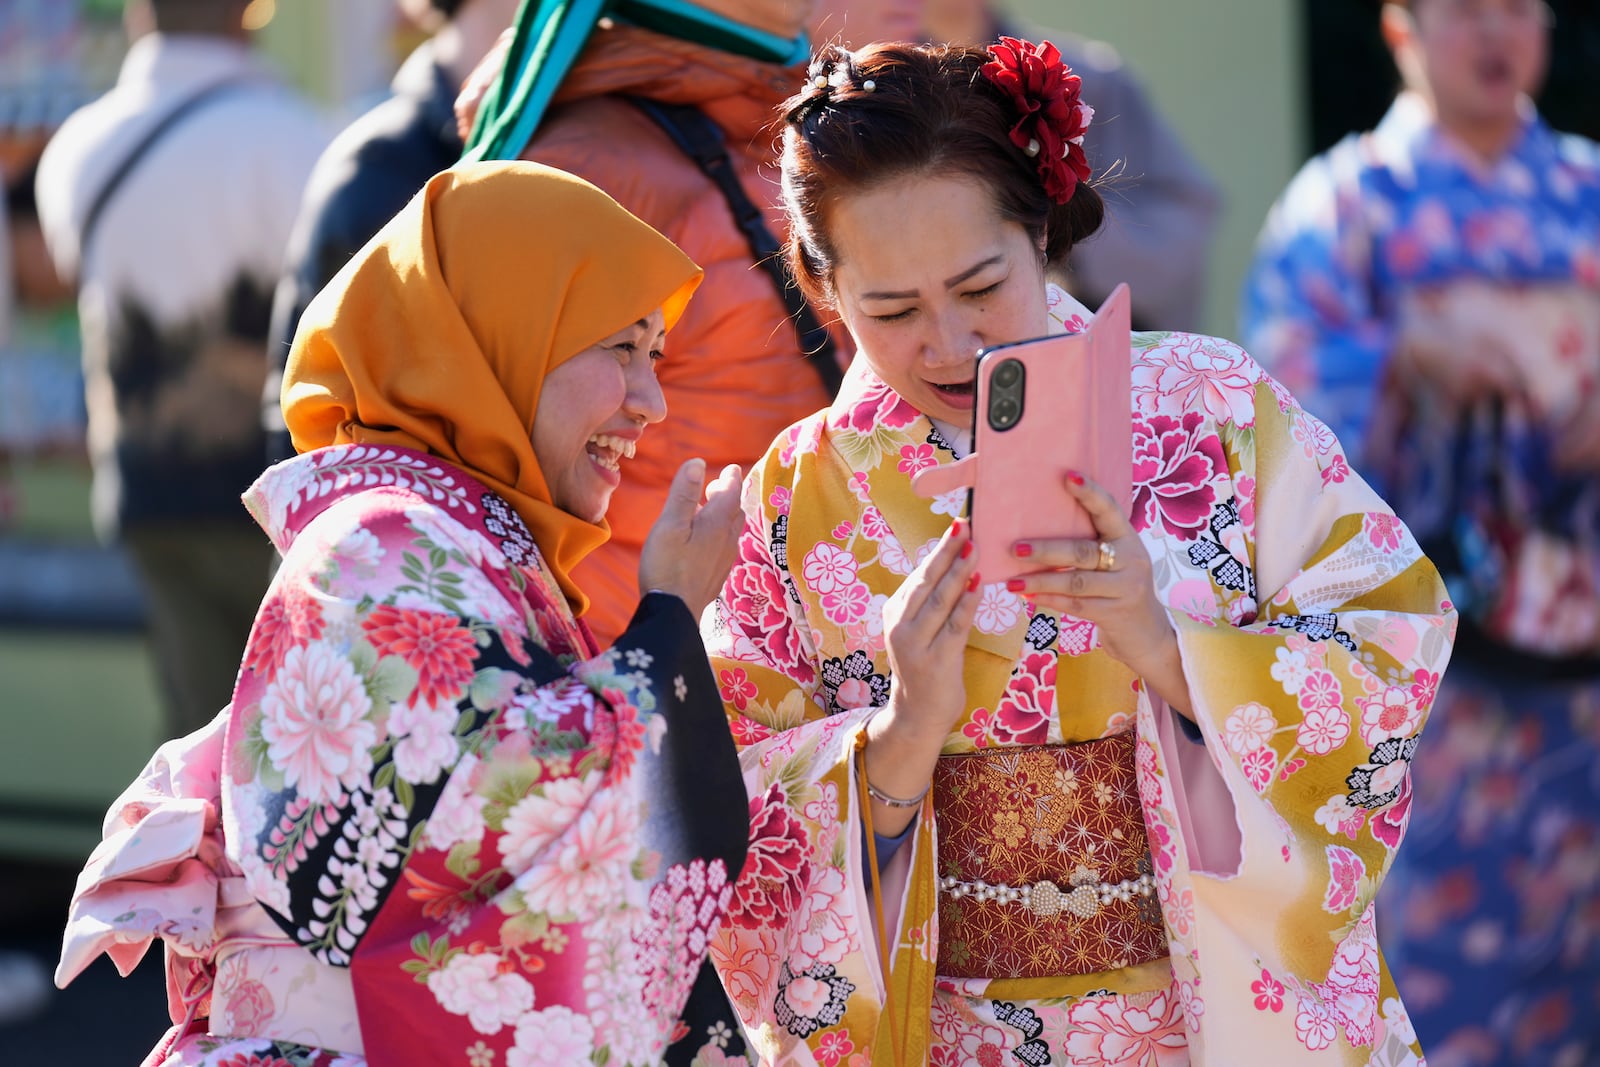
(1313, 632)
(437, 825)
(1490, 914)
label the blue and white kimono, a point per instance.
(1495, 901)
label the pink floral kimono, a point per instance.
(1313, 634)
(437, 825)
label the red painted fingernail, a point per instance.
(966, 550)
(957, 528)
(1022, 549)
(1074, 477)
(1016, 585)
(972, 583)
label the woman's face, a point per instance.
(1479, 56)
(926, 273)
(592, 410)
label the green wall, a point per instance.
(1227, 75)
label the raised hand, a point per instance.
(692, 545)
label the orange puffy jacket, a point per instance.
(734, 377)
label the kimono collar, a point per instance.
(1409, 132)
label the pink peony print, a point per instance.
(825, 934)
(1176, 464)
(828, 568)
(984, 1045)
(1029, 702)
(583, 871)
(1196, 373)
(427, 744)
(1345, 871)
(539, 818)
(285, 620)
(878, 407)
(313, 719)
(1268, 991)
(1323, 730)
(1391, 713)
(777, 870)
(252, 1059)
(1134, 1031)
(554, 1037)
(248, 1007)
(475, 985)
(736, 687)
(436, 645)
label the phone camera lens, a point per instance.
(1003, 412)
(1008, 374)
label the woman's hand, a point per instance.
(1113, 589)
(926, 624)
(692, 546)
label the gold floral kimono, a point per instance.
(1313, 634)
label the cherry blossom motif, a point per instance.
(736, 687)
(1194, 1006)
(1029, 702)
(313, 719)
(1249, 727)
(777, 869)
(474, 985)
(828, 568)
(1384, 531)
(1337, 816)
(860, 487)
(1176, 464)
(998, 609)
(1424, 688)
(1162, 849)
(1345, 871)
(747, 731)
(847, 604)
(554, 1037)
(873, 525)
(436, 646)
(1323, 730)
(539, 818)
(980, 728)
(583, 871)
(428, 745)
(1292, 669)
(1258, 766)
(1321, 690)
(1268, 991)
(780, 498)
(1313, 1024)
(1336, 471)
(1133, 1031)
(1391, 713)
(915, 458)
(284, 621)
(833, 1047)
(1397, 1021)
(1196, 373)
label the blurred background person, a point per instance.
(856, 25)
(375, 166)
(168, 202)
(713, 74)
(1161, 206)
(1432, 290)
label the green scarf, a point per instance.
(551, 33)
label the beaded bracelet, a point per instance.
(894, 802)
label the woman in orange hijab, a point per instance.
(437, 824)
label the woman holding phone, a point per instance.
(1129, 807)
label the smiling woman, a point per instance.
(433, 796)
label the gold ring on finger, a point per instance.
(1108, 556)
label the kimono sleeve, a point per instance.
(1308, 308)
(512, 844)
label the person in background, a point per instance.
(1432, 290)
(855, 24)
(740, 373)
(438, 823)
(373, 167)
(168, 201)
(1070, 876)
(1162, 208)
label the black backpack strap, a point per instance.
(185, 108)
(701, 140)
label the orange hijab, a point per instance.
(439, 333)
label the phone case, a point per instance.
(1077, 415)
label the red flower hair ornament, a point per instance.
(1052, 119)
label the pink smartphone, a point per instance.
(1046, 407)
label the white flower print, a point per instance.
(1335, 816)
(1397, 1021)
(536, 820)
(952, 503)
(471, 984)
(1392, 713)
(639, 659)
(1291, 670)
(458, 813)
(680, 688)
(1249, 727)
(313, 718)
(429, 744)
(998, 610)
(584, 871)
(829, 568)
(554, 1037)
